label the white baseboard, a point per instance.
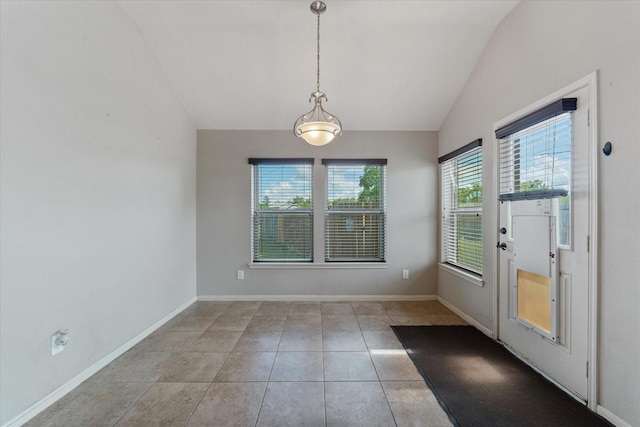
(613, 419)
(466, 317)
(317, 297)
(58, 393)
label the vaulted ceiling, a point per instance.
(384, 65)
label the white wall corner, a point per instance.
(61, 391)
(466, 317)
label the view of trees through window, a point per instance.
(462, 210)
(355, 213)
(282, 227)
(538, 158)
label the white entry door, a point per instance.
(560, 346)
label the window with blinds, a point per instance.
(535, 162)
(282, 210)
(355, 211)
(461, 192)
(537, 158)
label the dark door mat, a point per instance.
(479, 383)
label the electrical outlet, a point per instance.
(405, 274)
(240, 274)
(55, 348)
(59, 340)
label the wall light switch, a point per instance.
(405, 274)
(240, 274)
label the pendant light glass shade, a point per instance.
(317, 127)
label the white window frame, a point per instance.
(379, 211)
(283, 213)
(451, 211)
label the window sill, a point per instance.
(469, 277)
(328, 265)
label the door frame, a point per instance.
(591, 82)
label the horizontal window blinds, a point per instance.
(548, 111)
(282, 210)
(461, 192)
(355, 211)
(535, 163)
(455, 153)
(282, 161)
(354, 162)
(537, 158)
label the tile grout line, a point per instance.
(266, 387)
(193, 411)
(195, 407)
(176, 348)
(324, 378)
(386, 399)
(134, 403)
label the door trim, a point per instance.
(591, 82)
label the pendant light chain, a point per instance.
(318, 126)
(318, 56)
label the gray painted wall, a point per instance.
(224, 200)
(97, 189)
(539, 48)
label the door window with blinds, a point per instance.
(535, 160)
(282, 210)
(355, 210)
(461, 192)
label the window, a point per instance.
(461, 192)
(282, 210)
(355, 210)
(535, 160)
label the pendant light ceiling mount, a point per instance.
(317, 127)
(318, 7)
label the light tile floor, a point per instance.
(264, 364)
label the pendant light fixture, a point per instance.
(317, 127)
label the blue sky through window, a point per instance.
(545, 153)
(282, 183)
(344, 181)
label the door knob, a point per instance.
(502, 246)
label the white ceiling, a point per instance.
(384, 65)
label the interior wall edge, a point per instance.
(487, 331)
